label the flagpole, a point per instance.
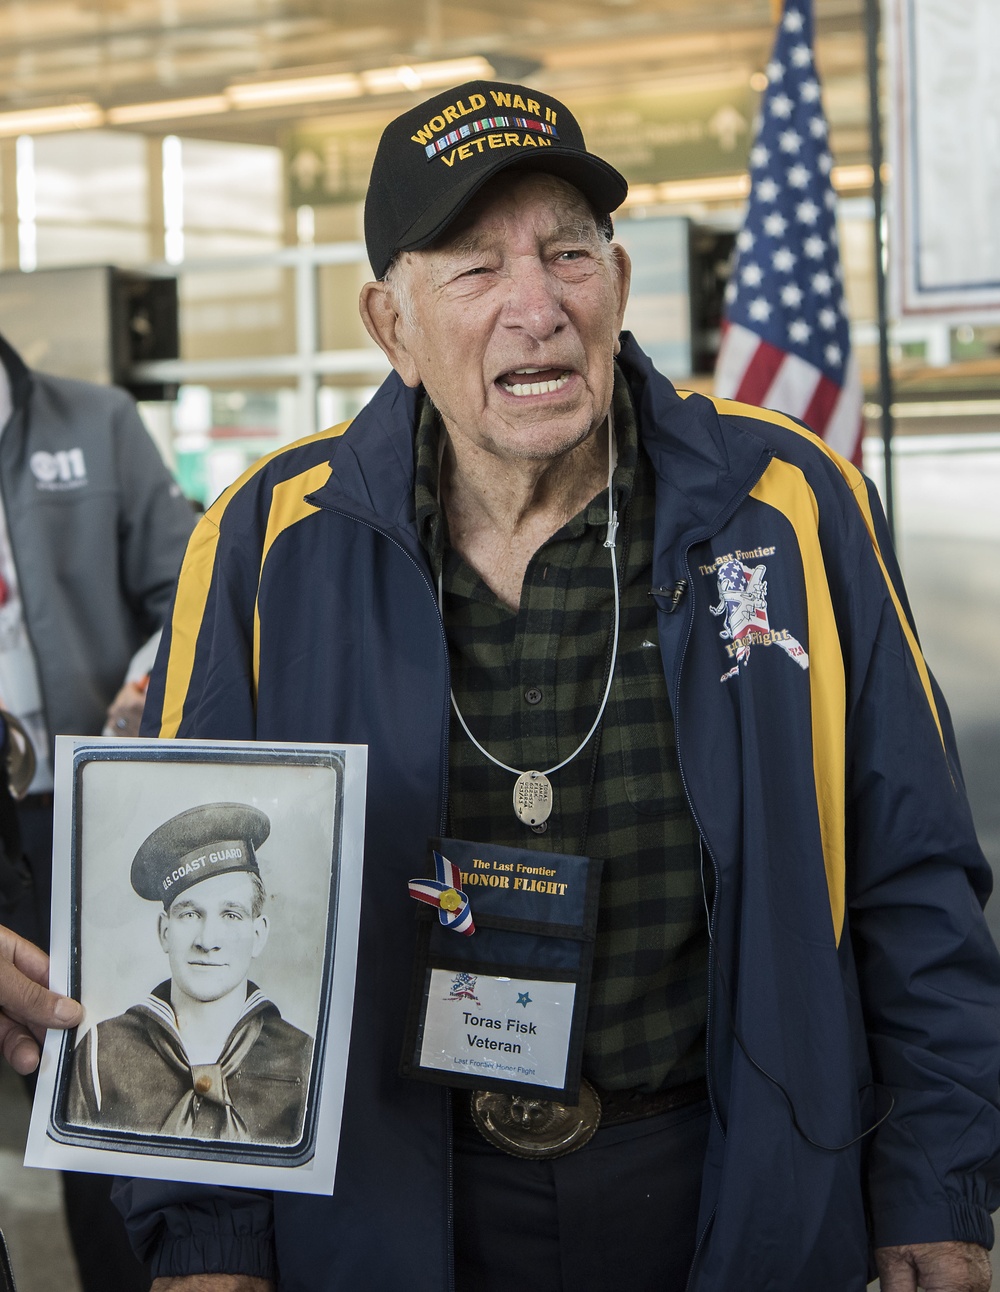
(885, 372)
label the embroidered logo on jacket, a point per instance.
(743, 601)
(63, 470)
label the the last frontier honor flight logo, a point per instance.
(743, 601)
(463, 987)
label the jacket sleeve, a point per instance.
(916, 884)
(184, 1229)
(155, 520)
(201, 686)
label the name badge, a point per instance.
(503, 1007)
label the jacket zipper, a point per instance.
(442, 824)
(697, 1251)
(703, 845)
(703, 838)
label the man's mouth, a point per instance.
(534, 381)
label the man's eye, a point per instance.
(576, 253)
(232, 915)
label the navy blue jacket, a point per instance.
(852, 974)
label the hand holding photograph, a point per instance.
(205, 911)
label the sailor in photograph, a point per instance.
(206, 1054)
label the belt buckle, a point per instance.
(536, 1128)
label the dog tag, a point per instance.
(532, 798)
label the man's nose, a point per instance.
(534, 301)
(208, 934)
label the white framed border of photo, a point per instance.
(205, 910)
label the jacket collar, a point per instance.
(701, 472)
(373, 464)
(17, 373)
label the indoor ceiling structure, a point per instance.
(246, 70)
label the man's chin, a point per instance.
(540, 434)
(206, 991)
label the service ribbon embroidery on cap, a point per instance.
(488, 123)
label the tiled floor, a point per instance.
(949, 543)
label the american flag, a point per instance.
(786, 341)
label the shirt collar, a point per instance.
(431, 522)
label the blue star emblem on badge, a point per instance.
(523, 999)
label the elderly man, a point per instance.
(206, 1054)
(676, 643)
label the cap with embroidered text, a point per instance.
(434, 158)
(198, 844)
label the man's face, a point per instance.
(514, 320)
(210, 936)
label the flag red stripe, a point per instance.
(858, 457)
(760, 371)
(822, 404)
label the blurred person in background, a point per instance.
(92, 533)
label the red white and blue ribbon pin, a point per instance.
(446, 894)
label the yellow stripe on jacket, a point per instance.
(784, 487)
(194, 584)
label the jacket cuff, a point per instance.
(957, 1221)
(181, 1229)
(247, 1254)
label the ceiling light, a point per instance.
(300, 89)
(167, 109)
(377, 80)
(36, 121)
(711, 189)
(452, 71)
(717, 188)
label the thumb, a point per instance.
(895, 1271)
(27, 1000)
(23, 995)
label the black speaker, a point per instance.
(711, 260)
(144, 327)
(92, 322)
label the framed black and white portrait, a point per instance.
(206, 897)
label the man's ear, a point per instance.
(261, 929)
(161, 928)
(623, 281)
(382, 320)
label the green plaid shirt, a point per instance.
(529, 683)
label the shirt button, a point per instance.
(533, 695)
(203, 1085)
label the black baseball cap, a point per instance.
(434, 158)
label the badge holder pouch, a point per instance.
(503, 1008)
